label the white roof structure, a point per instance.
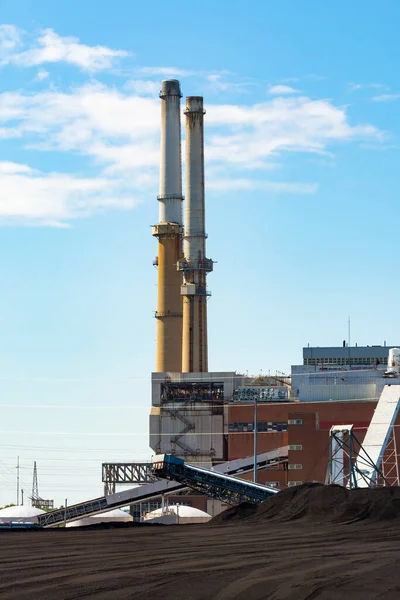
(178, 513)
(20, 514)
(182, 511)
(112, 516)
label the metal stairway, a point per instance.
(214, 482)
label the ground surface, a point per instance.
(299, 557)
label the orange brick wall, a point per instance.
(242, 444)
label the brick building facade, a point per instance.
(303, 427)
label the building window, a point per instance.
(295, 467)
(262, 427)
(295, 447)
(192, 392)
(293, 483)
(273, 484)
(295, 422)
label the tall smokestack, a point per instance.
(194, 265)
(169, 233)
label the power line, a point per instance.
(73, 406)
(72, 449)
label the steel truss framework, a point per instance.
(43, 504)
(349, 462)
(135, 472)
(390, 462)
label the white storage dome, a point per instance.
(182, 514)
(20, 514)
(112, 516)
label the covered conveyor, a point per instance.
(227, 488)
(218, 483)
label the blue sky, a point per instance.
(302, 152)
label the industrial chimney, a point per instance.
(169, 233)
(194, 264)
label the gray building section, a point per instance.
(346, 355)
(187, 414)
(340, 373)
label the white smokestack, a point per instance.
(194, 241)
(170, 209)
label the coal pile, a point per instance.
(236, 513)
(319, 503)
(288, 548)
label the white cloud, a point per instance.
(274, 187)
(167, 72)
(217, 83)
(11, 106)
(10, 39)
(214, 77)
(49, 47)
(121, 130)
(309, 77)
(289, 79)
(41, 75)
(143, 87)
(386, 97)
(315, 77)
(54, 198)
(281, 90)
(354, 87)
(218, 78)
(12, 168)
(259, 132)
(9, 133)
(88, 112)
(115, 133)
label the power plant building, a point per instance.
(341, 373)
(189, 413)
(209, 417)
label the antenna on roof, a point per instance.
(348, 343)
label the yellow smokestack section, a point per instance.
(194, 333)
(169, 306)
(169, 233)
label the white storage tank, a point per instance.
(394, 361)
(177, 514)
(111, 516)
(20, 514)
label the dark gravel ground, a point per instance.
(309, 543)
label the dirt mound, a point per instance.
(236, 513)
(311, 501)
(321, 504)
